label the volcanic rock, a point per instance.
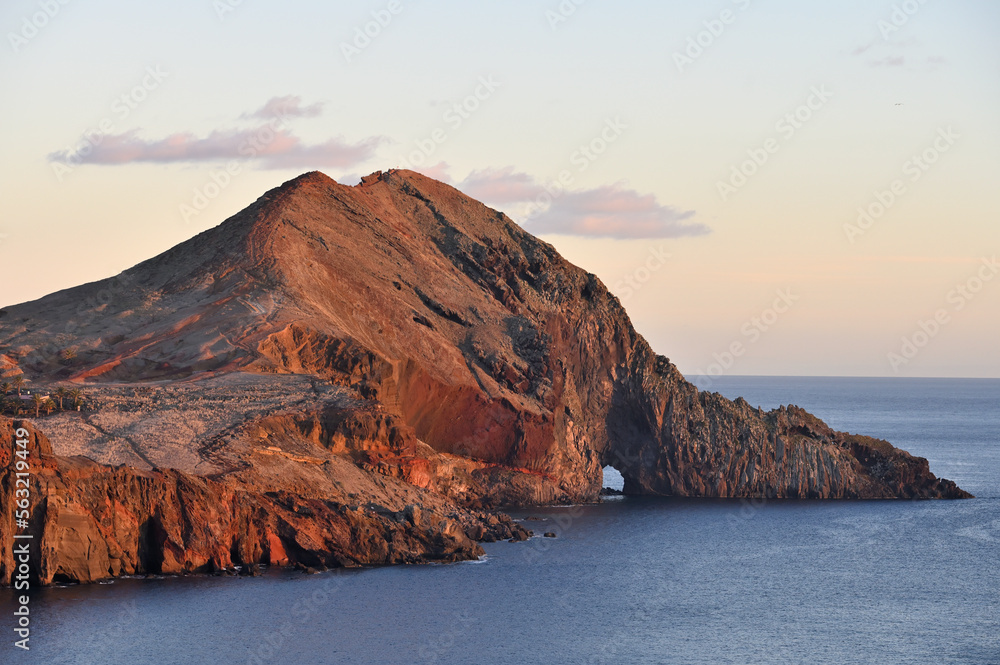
(349, 375)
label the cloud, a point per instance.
(437, 171)
(272, 145)
(605, 212)
(889, 61)
(613, 212)
(501, 186)
(289, 106)
(275, 149)
(896, 54)
(900, 61)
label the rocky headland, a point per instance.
(343, 376)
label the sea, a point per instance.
(629, 581)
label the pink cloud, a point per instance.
(605, 212)
(437, 171)
(613, 212)
(289, 106)
(274, 148)
(501, 186)
(272, 144)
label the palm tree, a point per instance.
(49, 405)
(18, 383)
(4, 388)
(37, 400)
(61, 393)
(76, 395)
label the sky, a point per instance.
(771, 187)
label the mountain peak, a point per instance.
(312, 180)
(312, 177)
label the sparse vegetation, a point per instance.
(61, 394)
(16, 400)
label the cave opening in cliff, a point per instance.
(613, 479)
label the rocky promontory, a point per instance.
(350, 375)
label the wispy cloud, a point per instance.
(501, 186)
(902, 53)
(614, 212)
(289, 106)
(274, 149)
(272, 145)
(889, 61)
(605, 212)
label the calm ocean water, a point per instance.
(629, 581)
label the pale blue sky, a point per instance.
(679, 134)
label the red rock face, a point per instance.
(91, 522)
(483, 370)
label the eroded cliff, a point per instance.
(90, 521)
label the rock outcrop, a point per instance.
(456, 361)
(91, 521)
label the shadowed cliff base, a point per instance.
(333, 357)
